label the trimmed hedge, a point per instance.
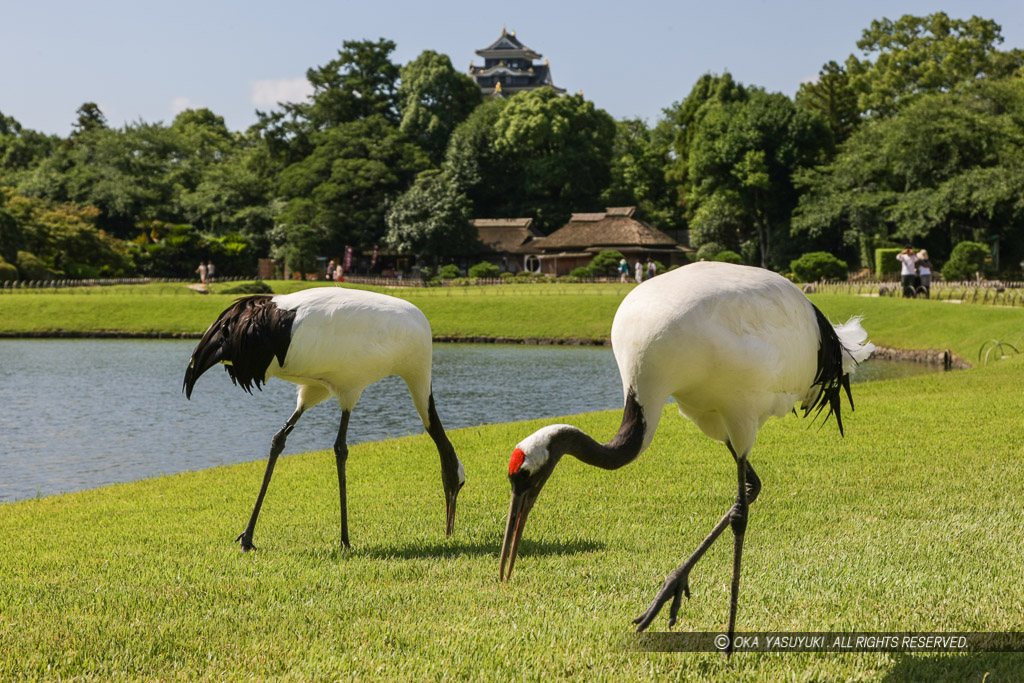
(885, 261)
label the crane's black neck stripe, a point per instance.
(621, 450)
(830, 376)
(247, 336)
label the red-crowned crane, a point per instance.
(330, 341)
(733, 345)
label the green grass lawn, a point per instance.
(553, 311)
(910, 523)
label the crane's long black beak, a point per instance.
(525, 489)
(449, 511)
(518, 511)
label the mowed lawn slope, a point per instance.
(910, 523)
(560, 311)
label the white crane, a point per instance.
(330, 341)
(733, 345)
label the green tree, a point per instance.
(918, 55)
(746, 153)
(682, 120)
(12, 237)
(832, 96)
(558, 152)
(640, 158)
(433, 98)
(360, 83)
(297, 244)
(21, 148)
(721, 220)
(63, 238)
(472, 162)
(344, 186)
(949, 168)
(90, 118)
(432, 221)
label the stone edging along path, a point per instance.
(931, 357)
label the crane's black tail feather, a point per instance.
(830, 377)
(246, 337)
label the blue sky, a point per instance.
(142, 60)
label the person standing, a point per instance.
(202, 272)
(924, 269)
(652, 270)
(639, 270)
(209, 271)
(623, 270)
(908, 272)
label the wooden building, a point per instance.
(508, 243)
(578, 241)
(509, 68)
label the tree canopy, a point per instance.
(918, 136)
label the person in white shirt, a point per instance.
(907, 271)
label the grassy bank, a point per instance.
(521, 311)
(910, 523)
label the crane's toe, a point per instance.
(676, 585)
(246, 542)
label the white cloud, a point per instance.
(810, 79)
(180, 104)
(268, 93)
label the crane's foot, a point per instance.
(246, 541)
(676, 585)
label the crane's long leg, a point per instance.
(677, 583)
(276, 446)
(340, 456)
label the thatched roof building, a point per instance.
(507, 242)
(586, 234)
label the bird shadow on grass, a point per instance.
(414, 551)
(975, 666)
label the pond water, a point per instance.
(78, 414)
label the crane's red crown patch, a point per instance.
(517, 461)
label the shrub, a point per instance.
(606, 263)
(582, 273)
(7, 271)
(707, 251)
(819, 265)
(449, 272)
(484, 269)
(257, 287)
(728, 256)
(81, 271)
(967, 259)
(31, 267)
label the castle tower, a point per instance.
(509, 68)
